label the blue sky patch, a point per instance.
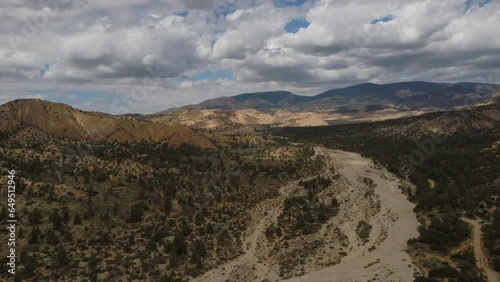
(182, 14)
(44, 69)
(385, 19)
(223, 10)
(78, 98)
(296, 24)
(287, 3)
(484, 3)
(220, 74)
(481, 3)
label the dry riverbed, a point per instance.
(366, 193)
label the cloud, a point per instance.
(125, 53)
(178, 51)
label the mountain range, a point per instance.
(365, 102)
(403, 96)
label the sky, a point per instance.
(145, 56)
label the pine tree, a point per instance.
(51, 237)
(115, 209)
(34, 236)
(178, 248)
(35, 216)
(136, 213)
(210, 228)
(61, 257)
(77, 219)
(30, 264)
(56, 220)
(89, 213)
(65, 214)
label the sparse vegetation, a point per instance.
(305, 215)
(464, 169)
(182, 204)
(363, 230)
(150, 210)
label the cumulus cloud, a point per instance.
(113, 47)
(108, 54)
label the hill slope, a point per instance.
(65, 121)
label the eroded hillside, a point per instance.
(23, 116)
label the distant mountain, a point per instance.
(450, 96)
(279, 98)
(23, 118)
(257, 101)
(385, 91)
(415, 95)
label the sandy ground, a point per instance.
(389, 261)
(482, 259)
(382, 258)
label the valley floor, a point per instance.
(380, 257)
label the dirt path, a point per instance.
(482, 259)
(382, 258)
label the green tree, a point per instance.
(131, 240)
(77, 219)
(51, 237)
(56, 220)
(210, 228)
(34, 235)
(30, 265)
(199, 251)
(89, 213)
(136, 213)
(92, 267)
(115, 209)
(178, 248)
(35, 216)
(92, 274)
(496, 263)
(65, 214)
(61, 257)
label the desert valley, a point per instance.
(265, 189)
